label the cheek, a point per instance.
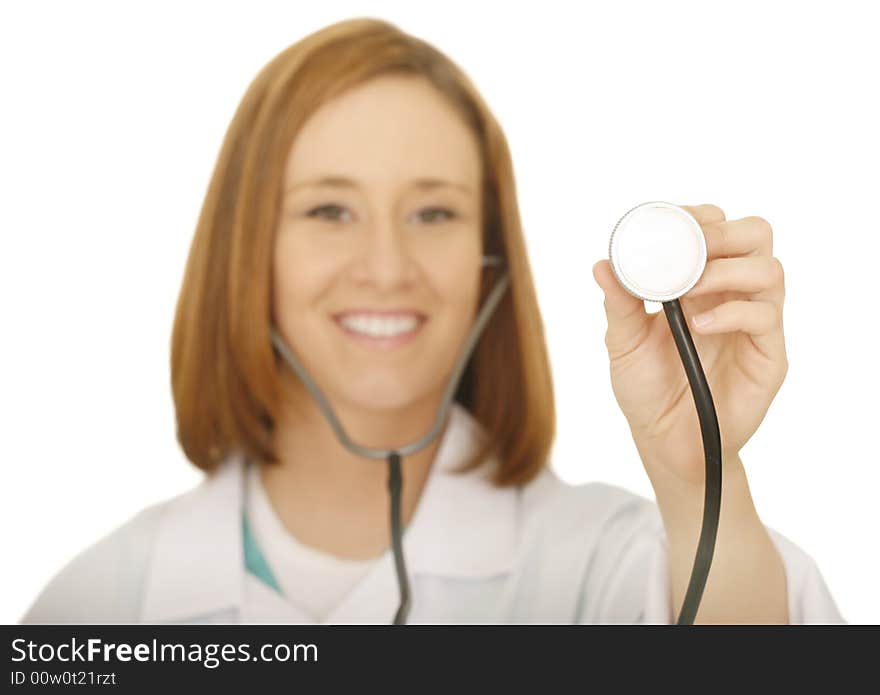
(454, 270)
(460, 294)
(296, 284)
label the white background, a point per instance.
(112, 118)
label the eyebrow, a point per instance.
(423, 184)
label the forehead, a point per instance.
(388, 129)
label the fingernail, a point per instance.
(704, 319)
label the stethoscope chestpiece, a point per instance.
(657, 251)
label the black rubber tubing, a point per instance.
(395, 484)
(712, 501)
(712, 447)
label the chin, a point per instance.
(381, 394)
(383, 400)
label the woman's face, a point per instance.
(378, 250)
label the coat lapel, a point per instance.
(197, 566)
(463, 527)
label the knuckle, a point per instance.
(776, 315)
(723, 233)
(763, 226)
(783, 370)
(777, 270)
(716, 212)
(705, 213)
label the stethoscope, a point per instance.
(393, 456)
(653, 230)
(658, 253)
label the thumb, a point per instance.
(627, 318)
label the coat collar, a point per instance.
(463, 527)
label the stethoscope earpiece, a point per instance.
(657, 251)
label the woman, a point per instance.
(359, 188)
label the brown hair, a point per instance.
(223, 367)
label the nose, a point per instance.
(384, 259)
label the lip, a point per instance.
(380, 312)
(384, 343)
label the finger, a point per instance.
(706, 213)
(761, 320)
(627, 318)
(748, 236)
(761, 276)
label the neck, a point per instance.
(335, 500)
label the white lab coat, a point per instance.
(547, 553)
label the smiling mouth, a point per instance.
(381, 329)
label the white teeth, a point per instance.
(380, 326)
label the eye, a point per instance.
(436, 214)
(333, 209)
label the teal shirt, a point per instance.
(254, 560)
